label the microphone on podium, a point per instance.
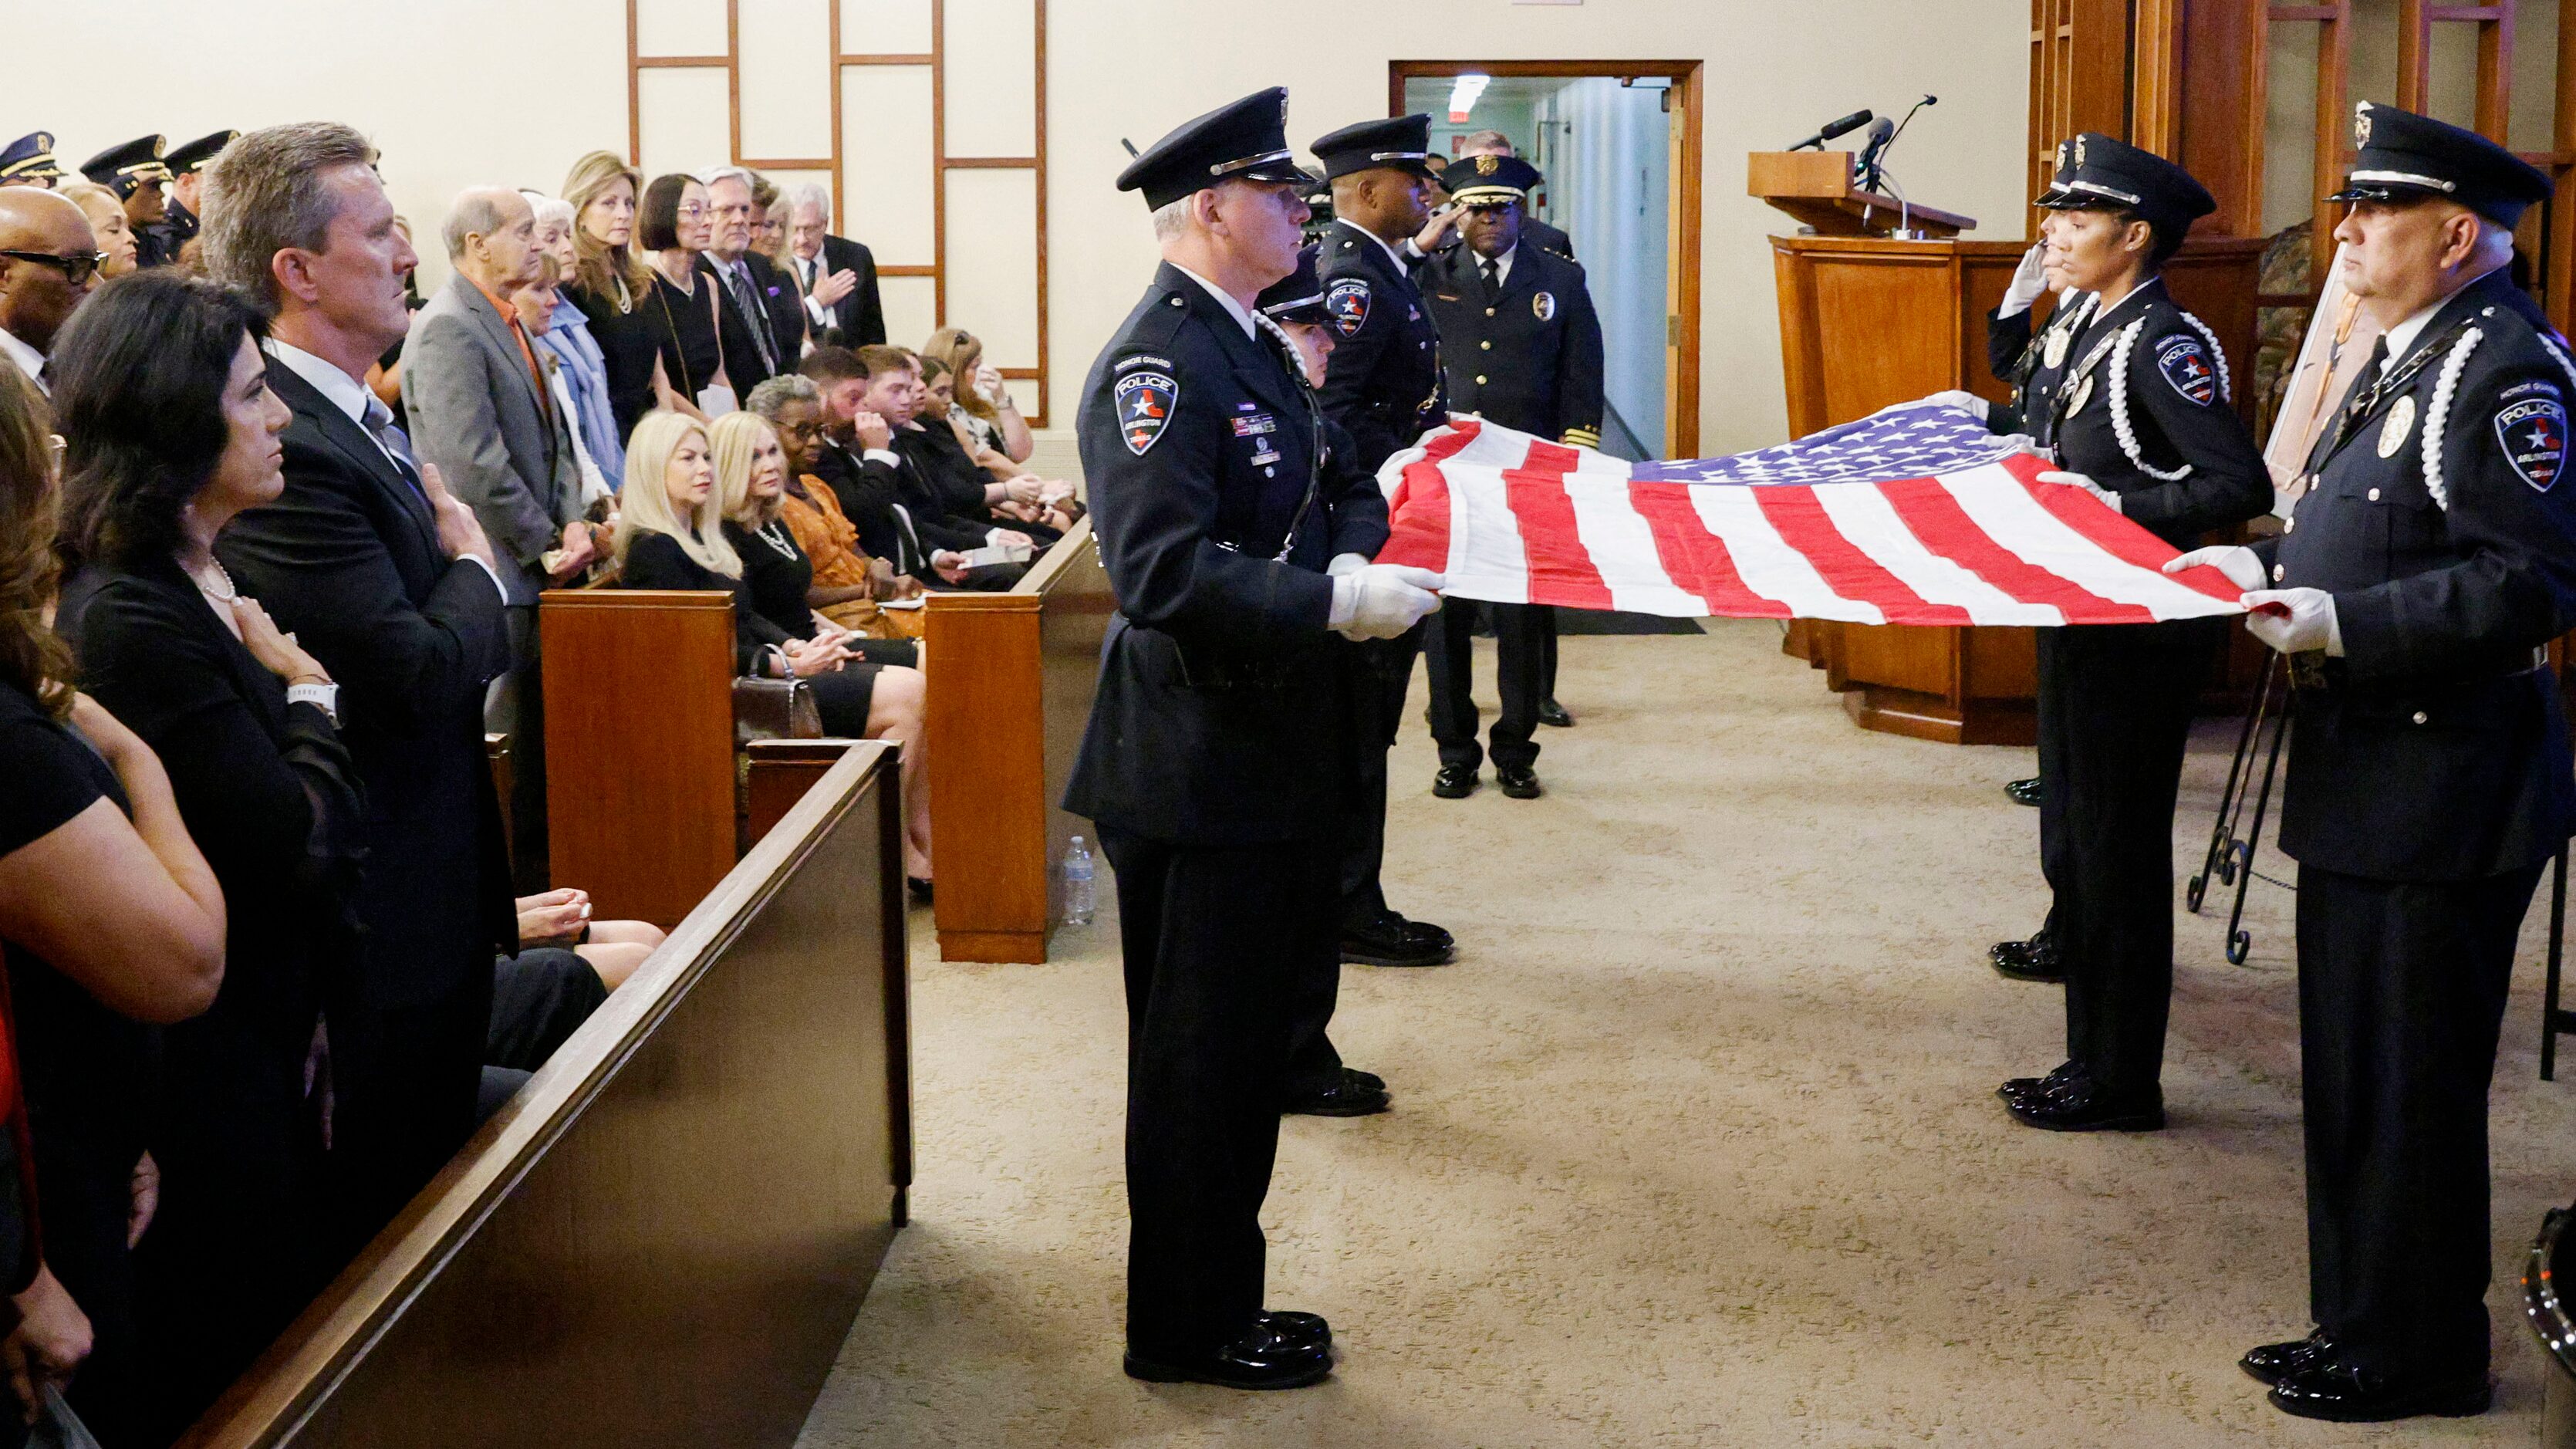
(1832, 129)
(1865, 172)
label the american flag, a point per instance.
(1913, 515)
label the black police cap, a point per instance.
(1298, 296)
(1402, 143)
(2403, 155)
(1490, 180)
(30, 158)
(123, 168)
(1246, 140)
(194, 155)
(2096, 172)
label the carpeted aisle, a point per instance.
(1694, 1145)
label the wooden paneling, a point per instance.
(777, 774)
(662, 1240)
(639, 746)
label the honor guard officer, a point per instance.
(179, 225)
(2137, 408)
(1523, 348)
(1212, 759)
(2429, 559)
(29, 161)
(1383, 387)
(137, 173)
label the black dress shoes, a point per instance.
(1391, 940)
(2033, 960)
(2346, 1393)
(1454, 782)
(1262, 1358)
(2082, 1104)
(1370, 1080)
(1518, 781)
(2272, 1362)
(2022, 792)
(1552, 713)
(1345, 1098)
(1294, 1329)
(2021, 1089)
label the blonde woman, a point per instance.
(877, 694)
(612, 286)
(983, 405)
(107, 219)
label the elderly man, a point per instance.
(389, 582)
(761, 323)
(49, 260)
(839, 275)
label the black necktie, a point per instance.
(1493, 276)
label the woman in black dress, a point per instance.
(681, 313)
(162, 394)
(614, 289)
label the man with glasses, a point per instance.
(49, 261)
(762, 320)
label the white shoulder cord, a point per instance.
(2557, 356)
(2217, 354)
(2119, 390)
(2439, 412)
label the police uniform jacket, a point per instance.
(1383, 381)
(176, 228)
(1527, 356)
(2436, 749)
(2017, 355)
(1218, 501)
(2144, 408)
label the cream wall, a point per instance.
(463, 91)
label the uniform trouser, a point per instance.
(1381, 672)
(1449, 654)
(1547, 650)
(2115, 707)
(2401, 993)
(1214, 940)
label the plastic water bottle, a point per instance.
(1077, 883)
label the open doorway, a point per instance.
(1618, 142)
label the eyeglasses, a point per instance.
(76, 267)
(801, 430)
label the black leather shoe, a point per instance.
(1345, 1098)
(1369, 1080)
(2344, 1393)
(2020, 1089)
(2033, 960)
(1425, 935)
(2022, 792)
(1294, 1329)
(2085, 1105)
(1391, 940)
(1518, 781)
(1454, 782)
(2273, 1362)
(1260, 1359)
(1552, 713)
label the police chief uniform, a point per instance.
(1383, 386)
(126, 170)
(29, 161)
(2432, 555)
(2141, 413)
(1522, 346)
(178, 226)
(1212, 761)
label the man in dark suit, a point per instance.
(390, 583)
(761, 320)
(839, 276)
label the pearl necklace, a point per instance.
(224, 595)
(776, 537)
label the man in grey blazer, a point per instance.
(480, 410)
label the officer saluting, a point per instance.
(1523, 348)
(136, 172)
(1212, 758)
(29, 161)
(178, 226)
(2427, 562)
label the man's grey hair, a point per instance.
(728, 173)
(477, 212)
(270, 190)
(810, 194)
(771, 398)
(1172, 218)
(1486, 143)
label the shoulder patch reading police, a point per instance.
(1544, 305)
(2185, 364)
(2533, 435)
(1145, 402)
(1348, 301)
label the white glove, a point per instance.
(1967, 402)
(2242, 567)
(1344, 563)
(2109, 499)
(1380, 601)
(2309, 623)
(2028, 281)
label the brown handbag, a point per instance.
(774, 709)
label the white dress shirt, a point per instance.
(1502, 265)
(1241, 314)
(1402, 266)
(29, 360)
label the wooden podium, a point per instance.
(1867, 319)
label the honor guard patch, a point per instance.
(2185, 364)
(1145, 402)
(1544, 304)
(2533, 435)
(1348, 301)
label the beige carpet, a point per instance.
(1694, 1145)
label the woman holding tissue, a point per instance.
(2131, 398)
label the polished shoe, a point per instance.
(1425, 935)
(1392, 940)
(1296, 1330)
(2033, 960)
(2273, 1362)
(2020, 1089)
(1518, 781)
(1370, 1080)
(2022, 792)
(1552, 713)
(1345, 1098)
(1263, 1358)
(1454, 782)
(2345, 1393)
(2085, 1105)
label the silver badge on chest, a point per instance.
(2055, 356)
(2400, 422)
(2082, 395)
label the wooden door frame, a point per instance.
(1681, 289)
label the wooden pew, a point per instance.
(663, 1239)
(1011, 677)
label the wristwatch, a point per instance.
(325, 695)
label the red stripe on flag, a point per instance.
(1561, 570)
(1935, 517)
(2110, 532)
(1694, 558)
(1418, 528)
(1802, 524)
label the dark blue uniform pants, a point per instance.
(1521, 635)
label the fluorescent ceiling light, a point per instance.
(1462, 96)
